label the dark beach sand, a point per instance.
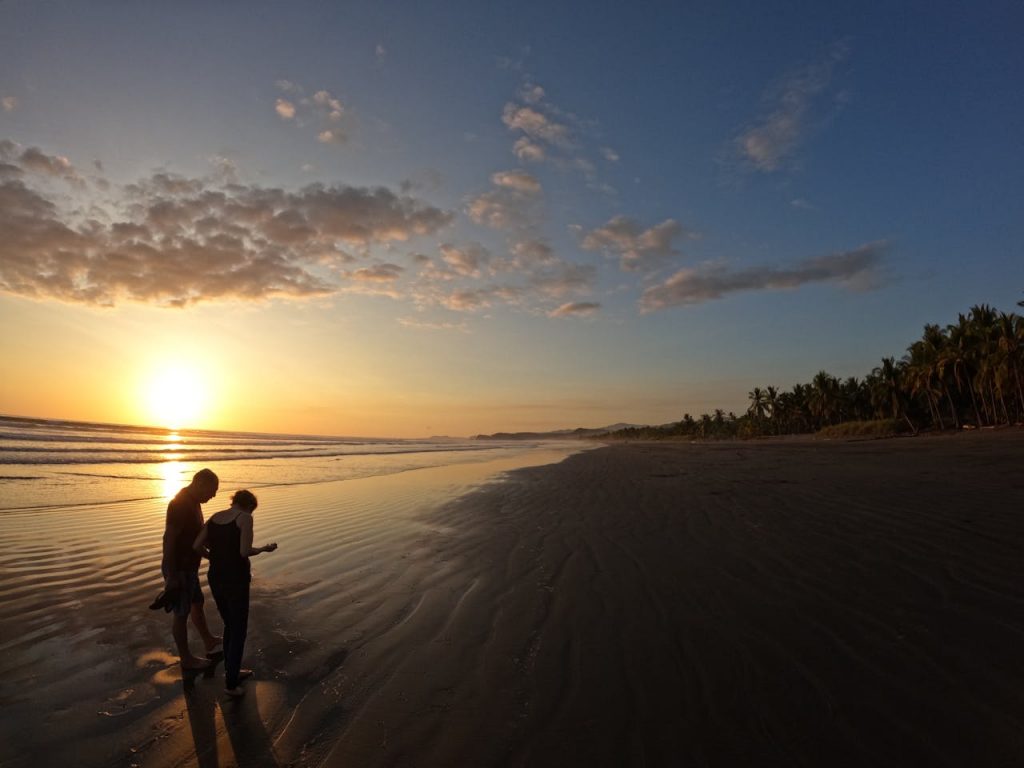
(768, 603)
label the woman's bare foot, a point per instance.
(244, 674)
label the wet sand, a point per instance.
(762, 603)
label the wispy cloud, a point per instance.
(575, 308)
(855, 269)
(385, 273)
(470, 278)
(9, 103)
(413, 322)
(175, 241)
(518, 181)
(531, 93)
(770, 141)
(637, 249)
(529, 151)
(510, 203)
(536, 125)
(466, 260)
(322, 110)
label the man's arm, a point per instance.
(200, 545)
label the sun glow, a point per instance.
(172, 478)
(176, 397)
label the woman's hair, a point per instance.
(244, 499)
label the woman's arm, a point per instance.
(200, 543)
(245, 546)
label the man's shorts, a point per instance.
(189, 592)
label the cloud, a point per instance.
(412, 322)
(174, 241)
(771, 140)
(536, 125)
(467, 260)
(528, 256)
(377, 273)
(638, 249)
(551, 134)
(533, 276)
(466, 301)
(510, 204)
(323, 110)
(531, 93)
(575, 308)
(329, 104)
(331, 136)
(802, 204)
(518, 181)
(58, 166)
(855, 269)
(528, 151)
(380, 53)
(563, 279)
(285, 109)
(9, 103)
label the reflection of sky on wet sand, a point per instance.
(80, 599)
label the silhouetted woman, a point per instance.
(226, 540)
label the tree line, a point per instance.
(967, 374)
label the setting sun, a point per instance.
(175, 396)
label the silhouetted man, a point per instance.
(180, 565)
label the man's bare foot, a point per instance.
(244, 674)
(194, 663)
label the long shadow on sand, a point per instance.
(251, 746)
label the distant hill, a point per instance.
(558, 434)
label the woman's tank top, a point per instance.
(226, 561)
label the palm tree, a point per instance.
(757, 404)
(888, 393)
(982, 319)
(922, 373)
(1009, 338)
(960, 358)
(824, 401)
(771, 403)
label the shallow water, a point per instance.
(79, 564)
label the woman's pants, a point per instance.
(232, 598)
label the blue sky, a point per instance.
(527, 216)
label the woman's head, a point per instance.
(244, 500)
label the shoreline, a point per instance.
(823, 602)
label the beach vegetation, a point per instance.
(865, 429)
(966, 375)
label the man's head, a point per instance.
(204, 485)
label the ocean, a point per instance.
(47, 463)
